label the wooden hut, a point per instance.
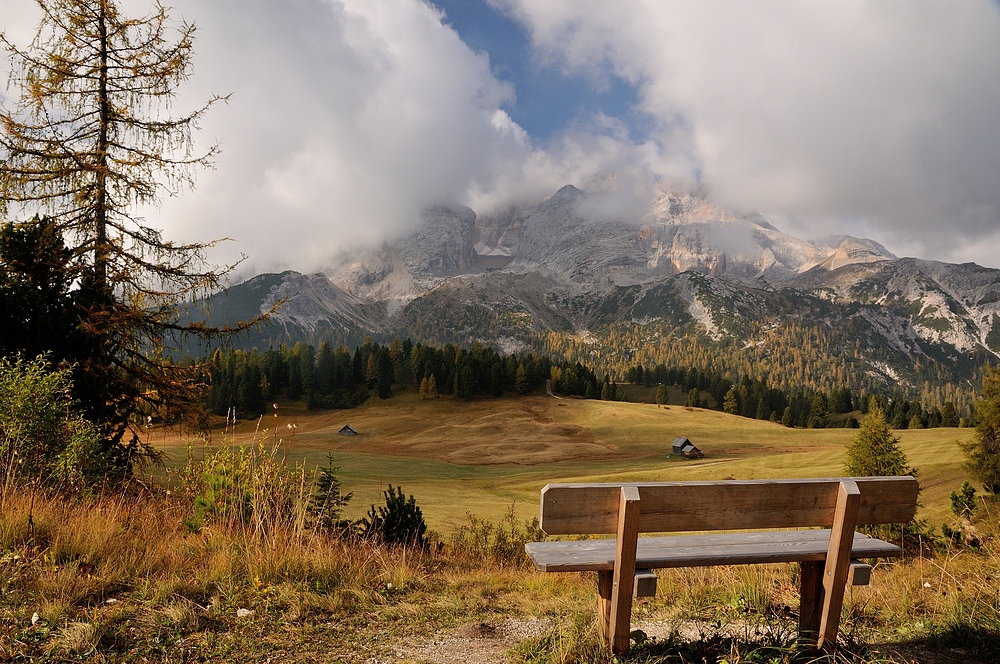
(685, 448)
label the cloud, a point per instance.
(349, 116)
(880, 115)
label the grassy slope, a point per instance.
(478, 457)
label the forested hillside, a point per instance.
(244, 383)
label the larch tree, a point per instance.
(90, 140)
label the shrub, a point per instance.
(399, 521)
(41, 438)
(501, 543)
(247, 486)
(964, 504)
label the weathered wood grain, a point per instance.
(622, 584)
(782, 546)
(592, 509)
(838, 561)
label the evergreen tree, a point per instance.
(694, 398)
(36, 275)
(384, 373)
(874, 450)
(400, 521)
(521, 384)
(729, 404)
(982, 453)
(327, 502)
(964, 504)
(949, 416)
(662, 395)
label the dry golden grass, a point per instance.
(120, 578)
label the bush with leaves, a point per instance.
(398, 522)
(500, 543)
(42, 440)
(250, 487)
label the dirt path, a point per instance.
(474, 643)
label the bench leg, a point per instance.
(810, 602)
(624, 575)
(605, 581)
(838, 562)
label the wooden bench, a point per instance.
(625, 510)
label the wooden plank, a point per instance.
(783, 546)
(838, 562)
(645, 583)
(726, 505)
(810, 601)
(621, 589)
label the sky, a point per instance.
(347, 117)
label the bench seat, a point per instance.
(785, 546)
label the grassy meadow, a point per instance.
(459, 457)
(126, 577)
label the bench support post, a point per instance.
(810, 601)
(622, 584)
(605, 581)
(838, 562)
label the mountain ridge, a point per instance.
(685, 266)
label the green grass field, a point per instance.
(458, 457)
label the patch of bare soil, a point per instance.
(482, 642)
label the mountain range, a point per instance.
(567, 275)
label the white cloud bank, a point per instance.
(883, 117)
(348, 116)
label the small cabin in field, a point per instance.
(685, 448)
(347, 430)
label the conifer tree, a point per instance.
(694, 398)
(982, 453)
(729, 403)
(521, 380)
(874, 450)
(88, 140)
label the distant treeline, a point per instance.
(338, 378)
(751, 397)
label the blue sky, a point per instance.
(549, 98)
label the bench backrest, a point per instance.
(592, 509)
